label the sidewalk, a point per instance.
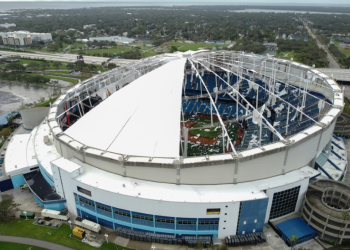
(33, 242)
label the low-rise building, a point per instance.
(271, 46)
(7, 25)
(24, 38)
(115, 39)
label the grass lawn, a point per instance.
(72, 80)
(116, 50)
(346, 52)
(25, 228)
(196, 46)
(212, 132)
(47, 103)
(58, 72)
(16, 246)
(287, 55)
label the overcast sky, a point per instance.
(240, 2)
(292, 2)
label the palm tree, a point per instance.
(345, 215)
(293, 241)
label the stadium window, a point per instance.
(121, 213)
(142, 217)
(186, 222)
(87, 202)
(168, 221)
(284, 202)
(208, 222)
(104, 208)
(213, 211)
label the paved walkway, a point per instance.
(33, 242)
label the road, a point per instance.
(332, 62)
(66, 57)
(33, 242)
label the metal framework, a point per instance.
(246, 67)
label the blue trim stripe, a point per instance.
(325, 172)
(335, 166)
(337, 145)
(337, 155)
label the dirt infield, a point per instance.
(195, 139)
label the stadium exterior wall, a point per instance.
(278, 158)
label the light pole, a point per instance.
(70, 224)
(25, 213)
(106, 235)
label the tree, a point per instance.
(199, 245)
(44, 65)
(345, 215)
(7, 208)
(173, 49)
(85, 72)
(91, 66)
(111, 65)
(15, 67)
(10, 117)
(33, 65)
(70, 66)
(293, 241)
(56, 64)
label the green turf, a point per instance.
(16, 246)
(47, 103)
(211, 132)
(25, 228)
(114, 50)
(58, 72)
(346, 52)
(71, 80)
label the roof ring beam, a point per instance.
(272, 129)
(299, 110)
(289, 85)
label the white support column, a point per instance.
(287, 125)
(257, 98)
(260, 132)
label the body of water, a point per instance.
(6, 6)
(284, 11)
(11, 96)
(17, 5)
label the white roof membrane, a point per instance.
(142, 118)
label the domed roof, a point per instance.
(143, 118)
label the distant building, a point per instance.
(88, 26)
(298, 37)
(125, 34)
(82, 40)
(115, 39)
(284, 36)
(7, 25)
(24, 38)
(271, 46)
(347, 46)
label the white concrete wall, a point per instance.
(34, 116)
(257, 168)
(229, 211)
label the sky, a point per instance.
(292, 2)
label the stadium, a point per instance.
(196, 144)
